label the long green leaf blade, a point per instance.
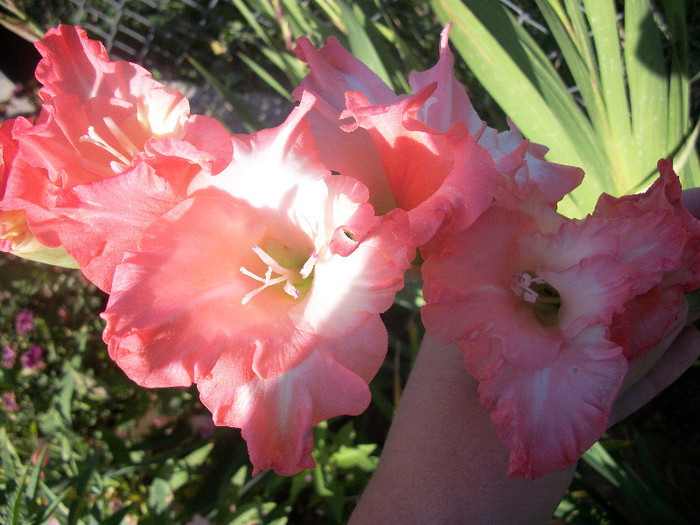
(361, 44)
(646, 77)
(603, 21)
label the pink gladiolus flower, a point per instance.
(548, 321)
(536, 313)
(441, 177)
(653, 311)
(434, 156)
(530, 314)
(20, 186)
(264, 287)
(107, 129)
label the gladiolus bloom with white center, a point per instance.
(264, 287)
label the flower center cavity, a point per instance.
(294, 282)
(540, 295)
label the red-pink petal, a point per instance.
(449, 103)
(102, 220)
(333, 71)
(651, 316)
(25, 187)
(276, 414)
(550, 416)
(72, 64)
(442, 179)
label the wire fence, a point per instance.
(154, 33)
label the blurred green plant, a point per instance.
(15, 16)
(622, 101)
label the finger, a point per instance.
(682, 353)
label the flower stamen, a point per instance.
(284, 275)
(543, 297)
(523, 286)
(123, 141)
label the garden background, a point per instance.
(80, 443)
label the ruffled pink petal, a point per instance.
(442, 179)
(660, 239)
(16, 238)
(334, 71)
(101, 220)
(573, 241)
(72, 64)
(651, 316)
(553, 180)
(550, 416)
(208, 135)
(449, 102)
(591, 292)
(652, 244)
(276, 415)
(520, 163)
(663, 195)
(24, 187)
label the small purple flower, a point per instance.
(24, 322)
(63, 314)
(203, 425)
(9, 355)
(33, 359)
(9, 402)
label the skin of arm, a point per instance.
(442, 461)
